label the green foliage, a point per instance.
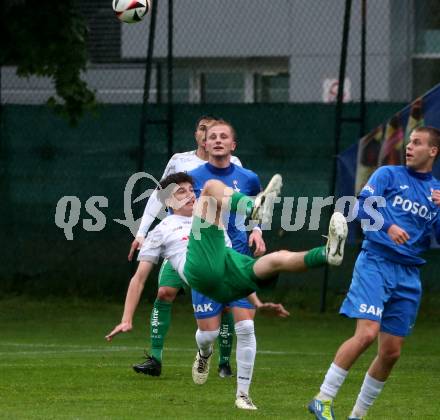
(48, 38)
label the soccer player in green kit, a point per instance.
(169, 283)
(197, 247)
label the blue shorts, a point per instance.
(205, 307)
(384, 291)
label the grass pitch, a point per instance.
(55, 364)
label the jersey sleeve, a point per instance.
(376, 186)
(151, 211)
(197, 181)
(255, 189)
(152, 247)
(154, 205)
(236, 161)
(171, 167)
(255, 185)
(378, 183)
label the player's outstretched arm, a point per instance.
(134, 292)
(268, 308)
(275, 309)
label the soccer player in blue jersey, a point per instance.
(220, 144)
(385, 292)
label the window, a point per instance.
(222, 87)
(104, 37)
(181, 85)
(427, 15)
(269, 88)
(426, 74)
(426, 61)
(208, 82)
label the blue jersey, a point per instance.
(409, 205)
(241, 180)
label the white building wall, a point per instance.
(305, 33)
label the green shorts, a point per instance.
(215, 270)
(168, 277)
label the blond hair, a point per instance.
(224, 122)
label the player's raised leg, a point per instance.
(333, 253)
(216, 196)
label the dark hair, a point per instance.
(434, 136)
(221, 121)
(208, 117)
(177, 178)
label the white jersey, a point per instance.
(180, 162)
(169, 239)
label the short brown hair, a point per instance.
(207, 117)
(434, 136)
(177, 178)
(227, 123)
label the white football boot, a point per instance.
(200, 369)
(337, 234)
(244, 402)
(263, 204)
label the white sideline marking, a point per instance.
(174, 365)
(77, 348)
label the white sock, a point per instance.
(370, 389)
(246, 350)
(205, 340)
(332, 382)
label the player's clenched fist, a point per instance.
(397, 234)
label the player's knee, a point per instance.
(284, 254)
(246, 342)
(168, 294)
(278, 259)
(245, 327)
(205, 338)
(390, 354)
(366, 337)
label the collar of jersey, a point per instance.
(220, 171)
(420, 175)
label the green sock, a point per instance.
(315, 257)
(244, 206)
(226, 337)
(159, 324)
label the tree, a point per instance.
(48, 38)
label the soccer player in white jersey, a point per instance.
(196, 246)
(169, 284)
